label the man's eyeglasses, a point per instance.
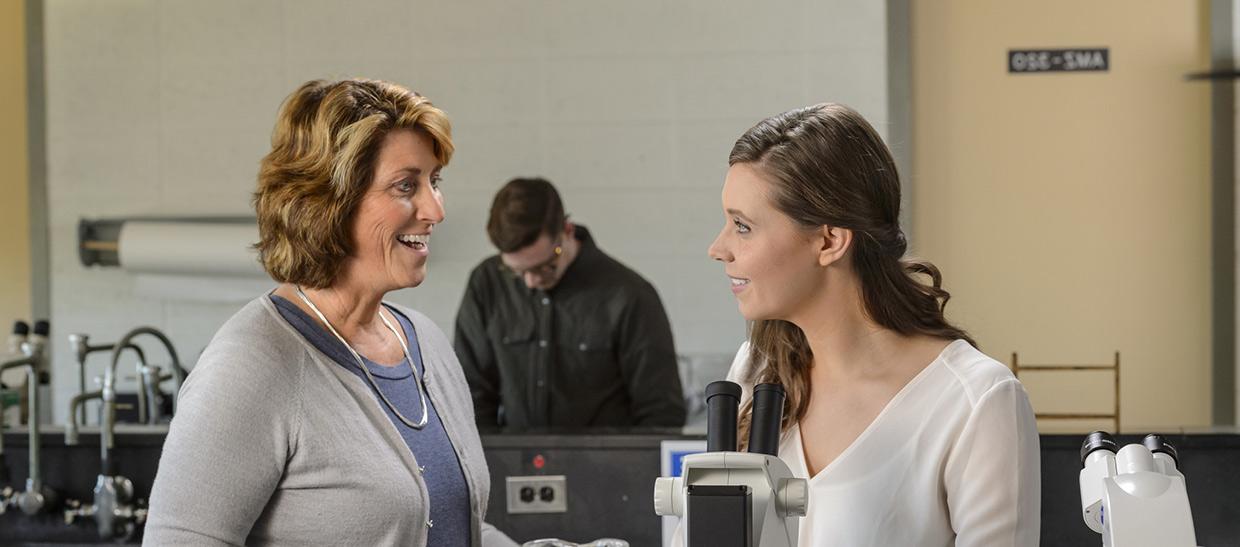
(544, 269)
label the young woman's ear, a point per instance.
(833, 243)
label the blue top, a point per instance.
(445, 481)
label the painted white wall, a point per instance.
(630, 108)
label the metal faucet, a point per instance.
(178, 372)
(37, 496)
(151, 378)
(116, 517)
(113, 509)
(108, 421)
(71, 426)
(80, 343)
(115, 514)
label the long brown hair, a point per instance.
(828, 167)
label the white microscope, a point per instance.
(1135, 497)
(726, 498)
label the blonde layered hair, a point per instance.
(323, 152)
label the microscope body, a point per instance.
(734, 498)
(1135, 497)
(726, 498)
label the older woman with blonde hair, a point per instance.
(319, 414)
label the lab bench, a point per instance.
(607, 483)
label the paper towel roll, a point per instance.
(189, 248)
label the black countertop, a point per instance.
(1209, 459)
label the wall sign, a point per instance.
(1059, 60)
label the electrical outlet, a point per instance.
(537, 494)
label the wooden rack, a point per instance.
(1017, 368)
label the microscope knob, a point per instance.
(664, 493)
(794, 497)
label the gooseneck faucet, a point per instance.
(80, 343)
(178, 372)
(113, 511)
(37, 496)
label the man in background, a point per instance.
(554, 332)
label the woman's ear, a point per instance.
(833, 243)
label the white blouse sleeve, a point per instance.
(992, 476)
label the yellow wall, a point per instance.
(1070, 212)
(14, 175)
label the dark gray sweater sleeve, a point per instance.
(236, 423)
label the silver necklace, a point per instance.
(365, 370)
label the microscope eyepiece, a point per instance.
(768, 412)
(1156, 444)
(1098, 440)
(21, 328)
(42, 328)
(723, 387)
(722, 399)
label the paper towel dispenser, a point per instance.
(211, 246)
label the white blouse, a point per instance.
(953, 459)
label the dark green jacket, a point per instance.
(595, 350)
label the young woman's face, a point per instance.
(771, 261)
(392, 227)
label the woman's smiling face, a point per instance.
(392, 227)
(772, 263)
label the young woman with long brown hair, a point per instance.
(908, 434)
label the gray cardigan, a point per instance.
(274, 443)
